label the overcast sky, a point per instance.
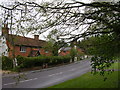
(39, 1)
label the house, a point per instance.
(66, 50)
(24, 46)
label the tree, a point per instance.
(54, 43)
(100, 19)
(73, 53)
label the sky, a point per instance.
(39, 1)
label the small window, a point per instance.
(46, 51)
(22, 49)
(64, 51)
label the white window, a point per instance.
(22, 49)
(46, 51)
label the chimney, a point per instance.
(36, 37)
(73, 43)
(5, 30)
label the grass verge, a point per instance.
(89, 80)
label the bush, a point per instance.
(7, 63)
(66, 59)
(27, 62)
(20, 59)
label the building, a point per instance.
(24, 46)
(66, 51)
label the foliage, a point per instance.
(104, 45)
(99, 20)
(48, 46)
(28, 62)
(73, 53)
(80, 55)
(57, 45)
(7, 63)
(20, 59)
(104, 48)
(100, 64)
(54, 46)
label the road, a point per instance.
(46, 78)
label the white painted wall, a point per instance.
(3, 46)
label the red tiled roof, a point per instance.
(25, 41)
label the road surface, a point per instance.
(46, 78)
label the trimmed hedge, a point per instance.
(7, 63)
(27, 62)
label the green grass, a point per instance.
(89, 80)
(114, 66)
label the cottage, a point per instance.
(24, 46)
(66, 50)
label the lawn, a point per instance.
(92, 81)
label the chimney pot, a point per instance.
(36, 37)
(5, 25)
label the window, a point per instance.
(46, 51)
(22, 49)
(64, 51)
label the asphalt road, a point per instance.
(46, 78)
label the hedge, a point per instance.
(27, 62)
(7, 63)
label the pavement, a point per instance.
(46, 77)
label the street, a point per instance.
(46, 78)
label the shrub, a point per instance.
(20, 59)
(27, 62)
(66, 59)
(7, 63)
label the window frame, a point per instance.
(22, 49)
(46, 51)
